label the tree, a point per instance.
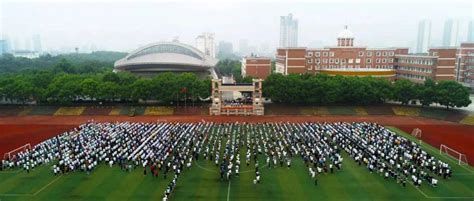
(20, 89)
(452, 94)
(65, 88)
(141, 89)
(111, 77)
(108, 91)
(247, 79)
(427, 92)
(89, 88)
(404, 91)
(64, 66)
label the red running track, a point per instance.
(18, 130)
(13, 136)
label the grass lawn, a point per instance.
(201, 182)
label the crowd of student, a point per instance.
(171, 147)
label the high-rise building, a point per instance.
(225, 49)
(3, 47)
(37, 43)
(424, 36)
(470, 31)
(27, 44)
(288, 31)
(450, 34)
(205, 43)
(244, 47)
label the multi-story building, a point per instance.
(26, 54)
(288, 31)
(437, 65)
(424, 36)
(391, 63)
(450, 34)
(417, 68)
(256, 67)
(205, 43)
(343, 59)
(465, 64)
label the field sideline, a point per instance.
(201, 182)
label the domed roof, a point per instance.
(166, 56)
(346, 33)
(167, 53)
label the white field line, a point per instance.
(15, 195)
(44, 187)
(228, 191)
(437, 197)
(29, 194)
(10, 172)
(209, 170)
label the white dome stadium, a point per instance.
(167, 57)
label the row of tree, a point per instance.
(66, 82)
(64, 88)
(323, 90)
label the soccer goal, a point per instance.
(10, 155)
(416, 133)
(460, 157)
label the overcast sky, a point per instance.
(125, 25)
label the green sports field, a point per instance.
(202, 182)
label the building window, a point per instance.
(361, 53)
(368, 60)
(325, 61)
(351, 61)
(369, 54)
(318, 61)
(331, 61)
(384, 60)
(378, 54)
(331, 54)
(310, 61)
(318, 54)
(384, 53)
(357, 61)
(391, 53)
(325, 54)
(310, 54)
(336, 60)
(377, 60)
(391, 60)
